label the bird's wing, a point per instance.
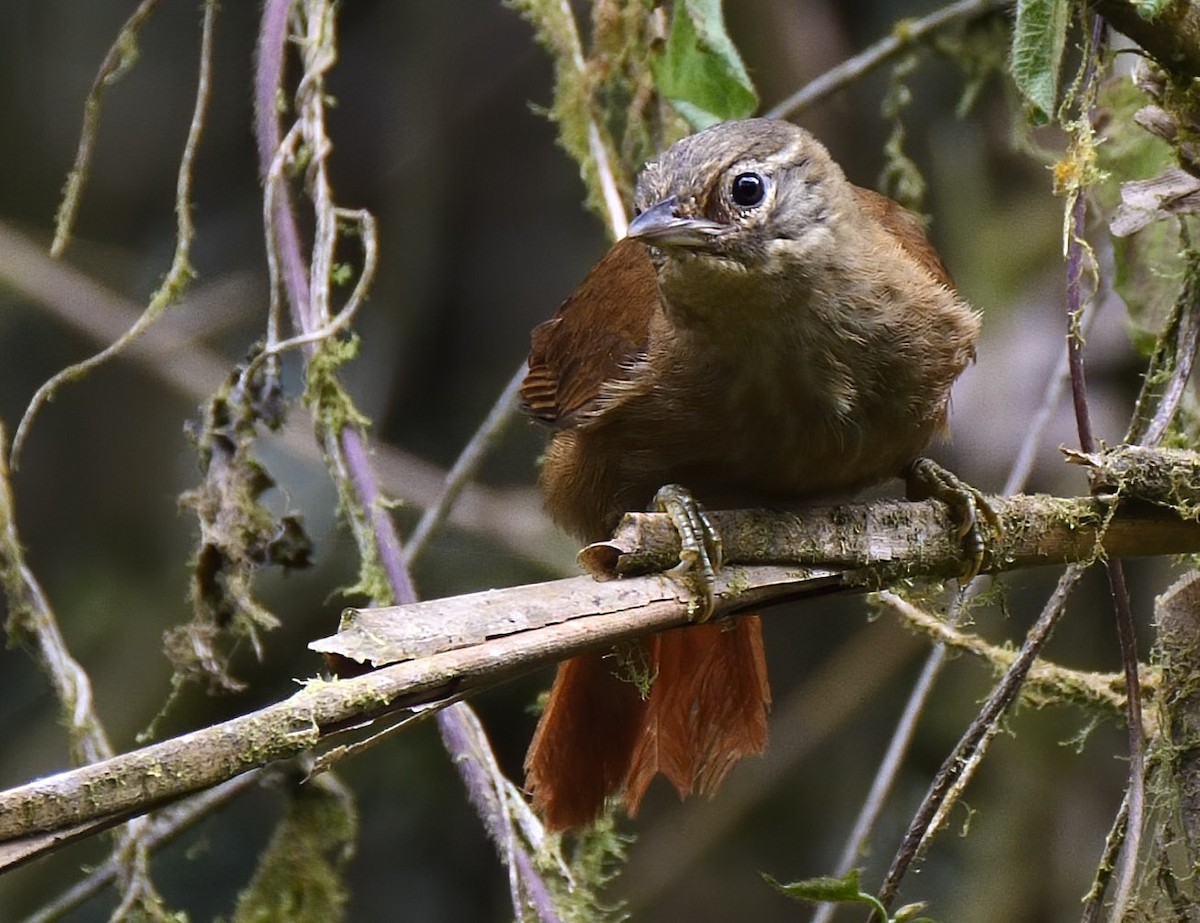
(907, 229)
(598, 332)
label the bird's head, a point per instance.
(758, 196)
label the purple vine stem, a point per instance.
(455, 723)
(268, 76)
(1126, 872)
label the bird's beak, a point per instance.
(663, 226)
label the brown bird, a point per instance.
(766, 333)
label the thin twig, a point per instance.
(903, 36)
(960, 764)
(1093, 901)
(283, 235)
(162, 829)
(121, 57)
(1177, 346)
(1022, 467)
(935, 661)
(463, 470)
(481, 442)
(180, 273)
(1177, 350)
(1127, 868)
(327, 759)
(32, 618)
(1077, 255)
(131, 855)
(527, 887)
(364, 222)
(307, 290)
(885, 775)
(610, 192)
(32, 622)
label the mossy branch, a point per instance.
(773, 557)
(467, 643)
(1171, 35)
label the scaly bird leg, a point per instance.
(926, 479)
(700, 552)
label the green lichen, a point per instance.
(632, 664)
(901, 178)
(605, 102)
(240, 535)
(299, 875)
(1164, 477)
(323, 391)
(594, 857)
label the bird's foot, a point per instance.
(926, 479)
(699, 547)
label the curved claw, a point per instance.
(925, 478)
(700, 550)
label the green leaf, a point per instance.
(844, 890)
(1039, 35)
(908, 914)
(699, 71)
(827, 888)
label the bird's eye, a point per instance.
(748, 190)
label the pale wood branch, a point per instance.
(465, 643)
(785, 556)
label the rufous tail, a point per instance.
(706, 709)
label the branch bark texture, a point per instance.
(443, 649)
(1172, 36)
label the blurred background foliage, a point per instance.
(482, 234)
